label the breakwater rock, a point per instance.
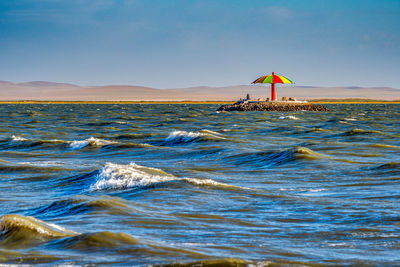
(272, 106)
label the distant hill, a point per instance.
(42, 90)
(47, 84)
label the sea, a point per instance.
(185, 185)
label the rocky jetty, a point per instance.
(272, 106)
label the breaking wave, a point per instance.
(12, 222)
(183, 137)
(17, 138)
(19, 142)
(120, 176)
(24, 231)
(17, 230)
(94, 142)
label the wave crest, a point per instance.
(288, 118)
(13, 222)
(183, 137)
(99, 240)
(83, 204)
(18, 138)
(306, 153)
(361, 132)
(119, 176)
(92, 141)
(265, 159)
(17, 230)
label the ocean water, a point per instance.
(185, 185)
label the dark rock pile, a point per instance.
(271, 106)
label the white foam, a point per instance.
(210, 182)
(89, 141)
(350, 119)
(184, 136)
(120, 176)
(316, 190)
(17, 138)
(288, 118)
(43, 163)
(205, 131)
(196, 181)
(338, 244)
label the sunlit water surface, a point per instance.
(162, 184)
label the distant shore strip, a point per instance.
(316, 101)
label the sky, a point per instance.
(185, 43)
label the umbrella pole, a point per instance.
(273, 93)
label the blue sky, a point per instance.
(183, 43)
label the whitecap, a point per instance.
(89, 141)
(120, 176)
(205, 131)
(17, 138)
(350, 119)
(186, 137)
(210, 182)
(288, 118)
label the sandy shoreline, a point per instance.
(327, 101)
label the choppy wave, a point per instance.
(275, 158)
(299, 172)
(288, 118)
(18, 138)
(83, 204)
(383, 146)
(17, 230)
(95, 241)
(362, 132)
(387, 169)
(388, 166)
(183, 137)
(91, 141)
(134, 136)
(350, 119)
(120, 176)
(226, 262)
(24, 231)
(27, 167)
(18, 142)
(211, 183)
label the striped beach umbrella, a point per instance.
(273, 79)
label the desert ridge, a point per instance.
(50, 91)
